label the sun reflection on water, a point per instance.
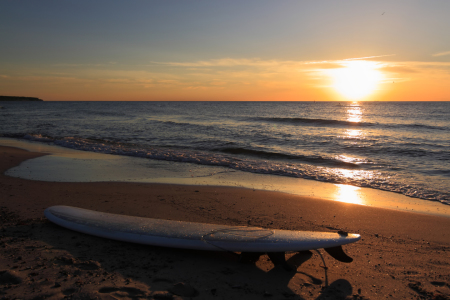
(354, 133)
(354, 113)
(348, 194)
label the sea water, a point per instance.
(400, 147)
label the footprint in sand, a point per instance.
(9, 277)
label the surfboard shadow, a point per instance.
(295, 262)
(160, 268)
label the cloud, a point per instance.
(398, 69)
(369, 57)
(442, 53)
(325, 65)
(67, 65)
(419, 67)
(280, 65)
(229, 62)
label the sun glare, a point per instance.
(357, 79)
(348, 194)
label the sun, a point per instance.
(356, 79)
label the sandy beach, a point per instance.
(402, 255)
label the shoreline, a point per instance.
(402, 255)
(69, 165)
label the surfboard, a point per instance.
(199, 236)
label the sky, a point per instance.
(226, 50)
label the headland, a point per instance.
(19, 98)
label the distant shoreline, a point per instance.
(19, 98)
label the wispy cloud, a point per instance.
(442, 53)
(324, 64)
(85, 65)
(415, 66)
(268, 74)
(229, 62)
(398, 69)
(369, 57)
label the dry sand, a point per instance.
(401, 255)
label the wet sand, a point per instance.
(402, 255)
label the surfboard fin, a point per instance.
(339, 254)
(279, 259)
(249, 257)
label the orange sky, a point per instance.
(254, 51)
(236, 80)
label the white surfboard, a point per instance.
(200, 236)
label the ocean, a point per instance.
(401, 147)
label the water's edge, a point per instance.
(68, 165)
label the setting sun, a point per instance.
(356, 80)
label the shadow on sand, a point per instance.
(75, 265)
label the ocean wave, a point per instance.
(103, 113)
(344, 123)
(331, 162)
(336, 174)
(428, 127)
(398, 151)
(307, 121)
